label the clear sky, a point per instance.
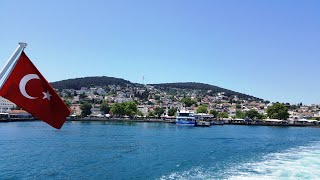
(269, 49)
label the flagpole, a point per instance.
(11, 61)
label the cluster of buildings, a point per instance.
(8, 109)
(149, 97)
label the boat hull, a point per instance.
(185, 123)
(203, 123)
(217, 122)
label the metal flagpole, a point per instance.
(10, 62)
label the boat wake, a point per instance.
(301, 162)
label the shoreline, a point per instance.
(121, 120)
(171, 121)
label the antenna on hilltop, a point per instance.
(143, 80)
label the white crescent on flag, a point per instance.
(23, 83)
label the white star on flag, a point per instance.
(46, 95)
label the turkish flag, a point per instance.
(28, 89)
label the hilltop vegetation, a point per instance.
(202, 86)
(103, 81)
(77, 83)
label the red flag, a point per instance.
(28, 89)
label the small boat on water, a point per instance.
(217, 122)
(185, 118)
(202, 123)
(203, 119)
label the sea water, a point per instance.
(129, 150)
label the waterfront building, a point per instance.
(95, 110)
(20, 114)
(143, 109)
(232, 112)
(262, 111)
(75, 109)
(6, 105)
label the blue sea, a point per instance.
(129, 150)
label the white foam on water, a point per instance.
(194, 173)
(296, 163)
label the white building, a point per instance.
(143, 109)
(101, 91)
(95, 110)
(75, 109)
(6, 105)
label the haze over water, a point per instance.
(120, 150)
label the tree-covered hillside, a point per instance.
(77, 83)
(102, 81)
(202, 86)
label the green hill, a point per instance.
(102, 81)
(202, 86)
(77, 83)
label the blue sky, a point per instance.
(269, 49)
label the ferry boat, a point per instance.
(185, 118)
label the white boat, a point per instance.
(203, 123)
(202, 119)
(217, 122)
(185, 118)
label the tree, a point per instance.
(117, 109)
(67, 103)
(158, 111)
(68, 95)
(214, 113)
(172, 111)
(157, 97)
(202, 109)
(188, 102)
(293, 107)
(139, 113)
(278, 111)
(130, 108)
(171, 97)
(151, 114)
(82, 96)
(253, 114)
(104, 107)
(240, 114)
(223, 115)
(85, 109)
(112, 93)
